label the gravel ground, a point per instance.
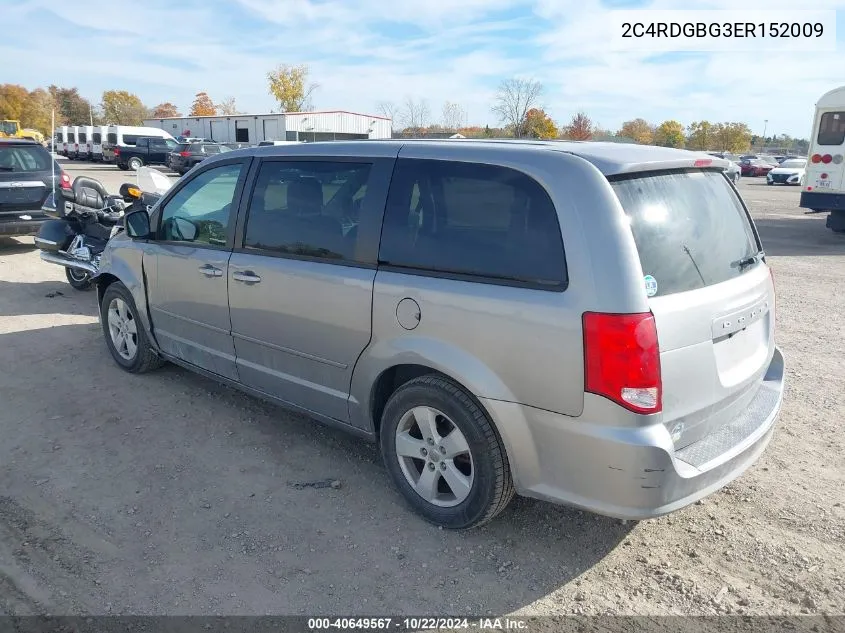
(167, 494)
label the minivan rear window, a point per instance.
(690, 228)
(831, 128)
(24, 158)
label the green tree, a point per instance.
(701, 135)
(291, 88)
(732, 137)
(669, 134)
(71, 107)
(638, 130)
(123, 108)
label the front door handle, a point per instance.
(248, 277)
(210, 271)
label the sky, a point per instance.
(362, 52)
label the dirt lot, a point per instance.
(167, 494)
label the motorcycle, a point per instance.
(87, 217)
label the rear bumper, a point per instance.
(822, 201)
(632, 472)
(22, 227)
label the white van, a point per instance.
(824, 178)
(98, 137)
(128, 135)
(72, 143)
(60, 140)
(83, 137)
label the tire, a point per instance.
(78, 279)
(435, 403)
(123, 167)
(143, 359)
(135, 163)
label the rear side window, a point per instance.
(690, 228)
(20, 158)
(831, 128)
(308, 209)
(479, 222)
(112, 138)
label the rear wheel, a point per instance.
(123, 167)
(443, 454)
(135, 163)
(78, 279)
(125, 336)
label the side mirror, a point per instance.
(137, 225)
(130, 192)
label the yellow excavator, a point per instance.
(10, 128)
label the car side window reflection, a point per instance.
(199, 212)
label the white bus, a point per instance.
(824, 180)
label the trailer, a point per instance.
(330, 125)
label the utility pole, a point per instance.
(91, 114)
(765, 125)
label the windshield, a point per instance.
(797, 162)
(690, 228)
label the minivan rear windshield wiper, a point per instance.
(742, 264)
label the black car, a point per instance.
(28, 175)
(186, 155)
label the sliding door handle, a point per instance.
(247, 277)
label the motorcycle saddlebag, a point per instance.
(54, 235)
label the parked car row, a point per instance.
(132, 147)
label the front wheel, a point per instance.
(78, 279)
(444, 455)
(135, 163)
(125, 336)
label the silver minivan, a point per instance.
(587, 323)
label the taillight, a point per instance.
(816, 158)
(827, 158)
(622, 360)
(117, 151)
(65, 181)
(184, 154)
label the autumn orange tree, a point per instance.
(580, 128)
(538, 124)
(165, 110)
(203, 105)
(638, 130)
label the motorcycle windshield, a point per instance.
(153, 181)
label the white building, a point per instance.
(331, 125)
